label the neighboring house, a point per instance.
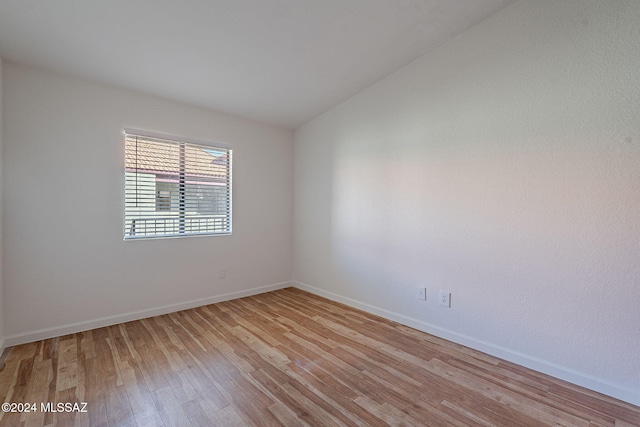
(174, 188)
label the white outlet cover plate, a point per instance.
(445, 298)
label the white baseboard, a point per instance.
(72, 328)
(560, 372)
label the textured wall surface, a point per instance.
(503, 167)
(67, 262)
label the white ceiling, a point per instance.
(276, 61)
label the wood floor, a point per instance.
(284, 358)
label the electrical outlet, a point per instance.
(222, 273)
(422, 293)
(445, 298)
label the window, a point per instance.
(174, 187)
(163, 195)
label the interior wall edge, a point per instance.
(56, 331)
(560, 372)
(2, 311)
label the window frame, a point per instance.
(182, 143)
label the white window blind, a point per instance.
(175, 188)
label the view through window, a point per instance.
(175, 188)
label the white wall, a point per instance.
(503, 167)
(1, 251)
(66, 264)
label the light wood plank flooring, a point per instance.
(285, 358)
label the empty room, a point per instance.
(320, 213)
